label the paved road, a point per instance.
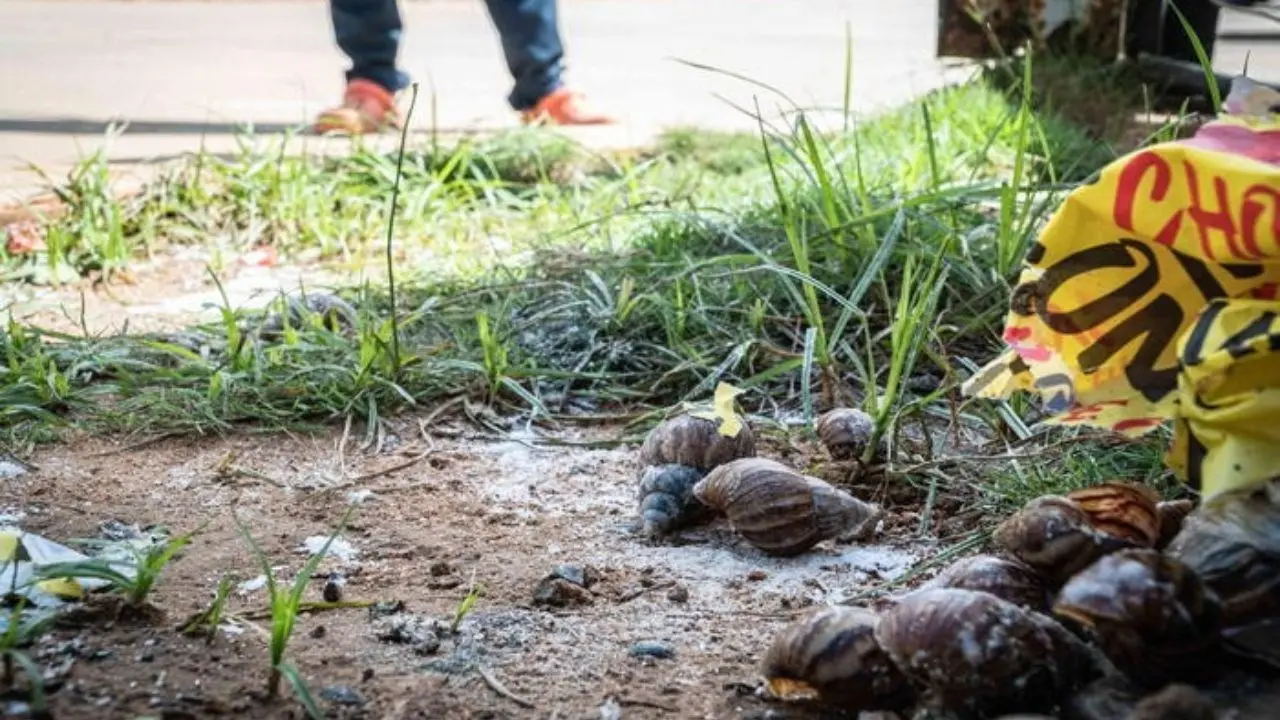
(191, 71)
(180, 69)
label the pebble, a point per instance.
(678, 594)
(652, 648)
(410, 630)
(342, 695)
(317, 631)
(575, 574)
(757, 575)
(557, 592)
(333, 588)
(440, 568)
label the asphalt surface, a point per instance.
(191, 73)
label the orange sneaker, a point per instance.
(564, 107)
(366, 107)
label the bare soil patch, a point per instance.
(500, 514)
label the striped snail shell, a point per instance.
(845, 432)
(695, 442)
(666, 498)
(1127, 510)
(1054, 536)
(1010, 580)
(1173, 513)
(780, 511)
(974, 651)
(832, 655)
(1150, 614)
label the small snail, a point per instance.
(1006, 579)
(666, 498)
(1122, 509)
(1055, 536)
(846, 432)
(832, 655)
(1172, 514)
(780, 511)
(335, 313)
(1233, 544)
(695, 442)
(974, 651)
(1151, 615)
(677, 454)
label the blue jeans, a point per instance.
(368, 31)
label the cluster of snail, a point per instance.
(691, 471)
(1103, 584)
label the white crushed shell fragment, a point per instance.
(339, 548)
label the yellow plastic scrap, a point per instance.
(1226, 431)
(1151, 296)
(722, 410)
(22, 553)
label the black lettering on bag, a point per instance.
(1157, 324)
(1098, 311)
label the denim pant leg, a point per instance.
(531, 43)
(368, 31)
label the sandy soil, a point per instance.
(501, 514)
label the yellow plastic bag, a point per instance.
(1172, 255)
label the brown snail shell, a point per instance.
(1009, 580)
(1151, 615)
(1122, 509)
(666, 498)
(695, 442)
(1233, 544)
(780, 511)
(1055, 537)
(832, 655)
(977, 652)
(1173, 513)
(845, 432)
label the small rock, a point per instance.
(444, 583)
(317, 631)
(102, 654)
(341, 695)
(557, 592)
(422, 635)
(757, 575)
(366, 675)
(383, 608)
(440, 568)
(575, 574)
(652, 648)
(333, 588)
(611, 710)
(678, 594)
(145, 657)
(363, 495)
(252, 585)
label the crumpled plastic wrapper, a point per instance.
(1151, 296)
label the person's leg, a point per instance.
(530, 35)
(368, 32)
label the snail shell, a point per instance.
(832, 655)
(845, 432)
(666, 498)
(780, 511)
(1006, 579)
(1122, 509)
(1233, 544)
(335, 313)
(1055, 537)
(1172, 514)
(974, 651)
(1151, 615)
(695, 442)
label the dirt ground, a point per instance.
(501, 514)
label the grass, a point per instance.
(811, 268)
(284, 603)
